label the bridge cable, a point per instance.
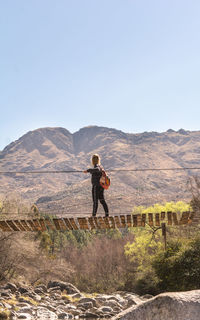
(108, 170)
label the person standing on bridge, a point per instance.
(97, 189)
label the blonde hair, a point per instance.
(95, 159)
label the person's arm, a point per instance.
(93, 170)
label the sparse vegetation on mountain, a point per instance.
(58, 149)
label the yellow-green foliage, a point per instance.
(179, 206)
(146, 243)
(70, 298)
(30, 300)
(13, 301)
(91, 295)
(144, 248)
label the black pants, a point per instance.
(98, 194)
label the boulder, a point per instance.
(147, 296)
(105, 309)
(51, 308)
(91, 315)
(77, 296)
(29, 310)
(23, 290)
(54, 289)
(25, 316)
(6, 294)
(41, 287)
(43, 313)
(133, 300)
(3, 315)
(92, 300)
(68, 287)
(112, 304)
(85, 305)
(65, 315)
(172, 305)
(11, 286)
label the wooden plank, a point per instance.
(62, 224)
(169, 218)
(42, 223)
(190, 219)
(194, 218)
(25, 225)
(68, 224)
(112, 222)
(150, 217)
(174, 218)
(49, 224)
(157, 220)
(96, 223)
(134, 220)
(139, 220)
(162, 215)
(123, 221)
(184, 218)
(28, 222)
(92, 223)
(32, 225)
(83, 223)
(12, 225)
(117, 221)
(4, 226)
(19, 225)
(106, 221)
(129, 220)
(73, 223)
(56, 223)
(101, 223)
(37, 225)
(143, 219)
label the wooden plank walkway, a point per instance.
(91, 223)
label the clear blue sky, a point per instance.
(131, 65)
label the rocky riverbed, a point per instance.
(60, 300)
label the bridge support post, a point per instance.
(164, 234)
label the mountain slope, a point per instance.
(58, 149)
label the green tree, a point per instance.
(178, 268)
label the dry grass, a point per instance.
(99, 267)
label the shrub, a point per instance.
(179, 267)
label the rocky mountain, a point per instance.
(58, 149)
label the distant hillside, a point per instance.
(58, 149)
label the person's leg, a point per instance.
(102, 201)
(95, 199)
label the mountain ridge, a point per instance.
(58, 149)
(64, 131)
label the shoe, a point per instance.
(94, 215)
(106, 214)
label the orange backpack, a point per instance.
(104, 180)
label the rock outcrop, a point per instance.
(166, 306)
(60, 300)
